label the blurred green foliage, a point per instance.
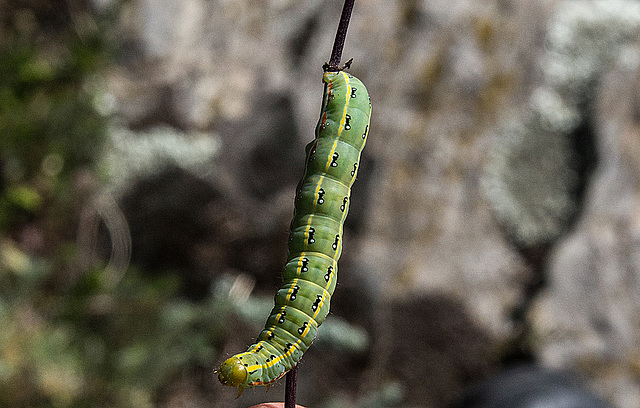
(90, 346)
(69, 337)
(45, 103)
(48, 125)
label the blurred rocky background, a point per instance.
(149, 152)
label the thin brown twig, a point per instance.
(341, 35)
(290, 388)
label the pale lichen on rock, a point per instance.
(531, 175)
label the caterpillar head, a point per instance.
(232, 372)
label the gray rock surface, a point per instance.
(475, 158)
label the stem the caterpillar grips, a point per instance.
(315, 240)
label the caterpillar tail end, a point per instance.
(233, 373)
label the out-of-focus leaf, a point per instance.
(24, 197)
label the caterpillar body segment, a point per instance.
(315, 240)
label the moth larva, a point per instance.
(315, 241)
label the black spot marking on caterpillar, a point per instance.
(335, 243)
(353, 92)
(366, 129)
(282, 315)
(294, 293)
(311, 240)
(316, 303)
(347, 118)
(355, 167)
(344, 203)
(312, 153)
(327, 276)
(302, 328)
(304, 267)
(334, 159)
(320, 196)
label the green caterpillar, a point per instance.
(315, 242)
